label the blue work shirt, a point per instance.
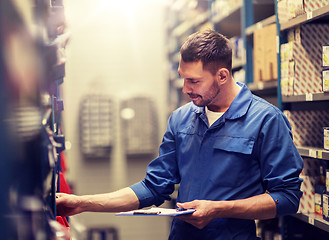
(248, 151)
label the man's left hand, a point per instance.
(204, 212)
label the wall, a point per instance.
(117, 48)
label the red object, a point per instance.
(63, 221)
(63, 162)
(63, 186)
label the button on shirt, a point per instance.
(248, 151)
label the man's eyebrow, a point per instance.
(189, 79)
(192, 79)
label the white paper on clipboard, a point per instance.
(154, 211)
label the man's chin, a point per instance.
(198, 103)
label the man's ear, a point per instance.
(222, 75)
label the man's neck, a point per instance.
(228, 93)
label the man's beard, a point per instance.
(202, 102)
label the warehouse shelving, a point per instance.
(310, 97)
(190, 24)
(267, 21)
(268, 86)
(309, 101)
(313, 152)
(232, 23)
(307, 17)
(229, 24)
(314, 220)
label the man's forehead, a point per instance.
(190, 65)
(191, 69)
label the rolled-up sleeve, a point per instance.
(281, 164)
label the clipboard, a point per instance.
(154, 211)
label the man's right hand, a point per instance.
(68, 204)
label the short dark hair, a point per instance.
(212, 48)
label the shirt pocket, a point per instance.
(233, 161)
(234, 144)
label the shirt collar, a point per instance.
(239, 106)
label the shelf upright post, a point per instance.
(7, 154)
(278, 51)
(247, 19)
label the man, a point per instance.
(231, 152)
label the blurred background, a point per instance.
(116, 86)
(84, 102)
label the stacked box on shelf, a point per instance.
(304, 58)
(311, 5)
(306, 204)
(326, 138)
(313, 186)
(325, 56)
(287, 73)
(319, 190)
(325, 208)
(222, 8)
(325, 80)
(311, 178)
(283, 12)
(307, 126)
(258, 55)
(325, 197)
(325, 66)
(287, 66)
(289, 9)
(265, 57)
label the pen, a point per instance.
(146, 212)
(180, 209)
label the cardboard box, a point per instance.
(327, 181)
(325, 80)
(306, 204)
(270, 54)
(287, 78)
(265, 56)
(295, 8)
(311, 5)
(326, 138)
(284, 86)
(295, 63)
(283, 11)
(325, 56)
(259, 48)
(318, 195)
(325, 208)
(307, 55)
(323, 168)
(288, 9)
(307, 126)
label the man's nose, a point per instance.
(186, 88)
